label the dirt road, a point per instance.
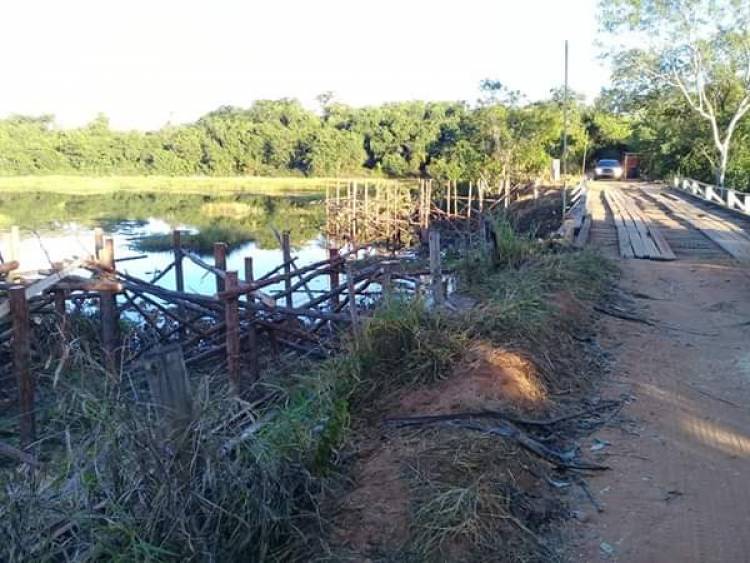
(679, 488)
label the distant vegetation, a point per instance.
(500, 137)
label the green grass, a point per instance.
(89, 185)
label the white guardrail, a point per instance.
(728, 198)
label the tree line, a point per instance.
(500, 138)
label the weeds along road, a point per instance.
(680, 451)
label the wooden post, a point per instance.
(455, 197)
(352, 303)
(468, 208)
(286, 248)
(19, 310)
(481, 196)
(232, 320)
(178, 273)
(448, 198)
(220, 262)
(435, 268)
(98, 242)
(333, 255)
(179, 276)
(252, 338)
(108, 311)
(170, 390)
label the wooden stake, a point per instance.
(178, 272)
(179, 276)
(333, 254)
(220, 263)
(286, 248)
(232, 321)
(435, 267)
(252, 338)
(108, 311)
(21, 348)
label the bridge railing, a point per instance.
(725, 197)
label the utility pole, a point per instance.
(565, 133)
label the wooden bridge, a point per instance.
(658, 221)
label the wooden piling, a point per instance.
(435, 268)
(19, 310)
(220, 263)
(232, 321)
(108, 311)
(179, 276)
(333, 254)
(286, 249)
(252, 337)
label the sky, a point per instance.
(144, 63)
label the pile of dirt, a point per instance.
(440, 493)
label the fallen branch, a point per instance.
(19, 455)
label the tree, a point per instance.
(698, 48)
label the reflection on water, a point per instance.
(54, 227)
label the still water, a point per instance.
(55, 227)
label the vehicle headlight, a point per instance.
(598, 170)
(617, 170)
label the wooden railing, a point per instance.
(725, 197)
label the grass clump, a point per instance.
(468, 502)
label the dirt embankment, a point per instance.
(442, 492)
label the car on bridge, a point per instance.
(608, 168)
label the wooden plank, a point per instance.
(583, 233)
(634, 238)
(721, 232)
(642, 226)
(39, 287)
(626, 249)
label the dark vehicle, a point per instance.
(607, 168)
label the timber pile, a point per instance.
(731, 238)
(637, 235)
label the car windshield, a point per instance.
(608, 163)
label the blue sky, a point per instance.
(144, 62)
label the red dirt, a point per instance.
(487, 377)
(680, 453)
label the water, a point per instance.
(55, 227)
